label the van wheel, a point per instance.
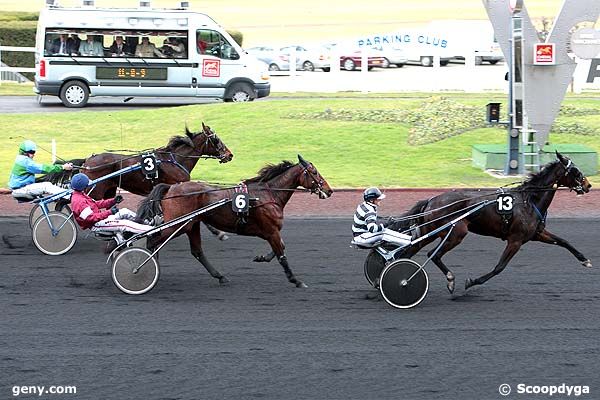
(274, 67)
(240, 92)
(478, 60)
(326, 69)
(74, 94)
(427, 61)
(493, 62)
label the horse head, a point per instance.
(208, 143)
(572, 178)
(312, 179)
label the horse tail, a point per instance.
(150, 206)
(61, 178)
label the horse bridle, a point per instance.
(217, 144)
(568, 168)
(316, 184)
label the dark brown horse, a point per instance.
(528, 221)
(273, 187)
(177, 159)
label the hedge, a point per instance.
(19, 33)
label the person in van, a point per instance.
(174, 47)
(63, 44)
(147, 49)
(90, 47)
(76, 42)
(205, 47)
(118, 48)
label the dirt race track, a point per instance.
(65, 323)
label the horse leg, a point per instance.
(509, 252)
(456, 237)
(550, 238)
(278, 249)
(269, 256)
(196, 249)
(219, 234)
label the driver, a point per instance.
(367, 232)
(22, 177)
(88, 213)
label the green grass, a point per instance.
(348, 154)
(16, 89)
(288, 21)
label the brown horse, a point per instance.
(273, 187)
(528, 221)
(177, 158)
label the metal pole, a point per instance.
(515, 94)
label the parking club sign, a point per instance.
(544, 54)
(211, 68)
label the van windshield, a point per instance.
(61, 42)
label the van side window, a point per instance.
(211, 42)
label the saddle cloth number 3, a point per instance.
(149, 165)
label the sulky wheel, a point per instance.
(374, 264)
(135, 271)
(55, 240)
(404, 283)
(34, 214)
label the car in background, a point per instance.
(308, 59)
(393, 56)
(493, 54)
(351, 59)
(270, 56)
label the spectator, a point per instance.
(147, 49)
(63, 45)
(118, 48)
(91, 47)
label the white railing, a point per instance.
(14, 70)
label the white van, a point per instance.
(83, 52)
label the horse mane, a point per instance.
(270, 171)
(178, 141)
(537, 179)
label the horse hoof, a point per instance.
(587, 264)
(259, 259)
(450, 286)
(223, 281)
(223, 236)
(468, 283)
(301, 285)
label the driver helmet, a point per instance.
(79, 182)
(373, 193)
(27, 146)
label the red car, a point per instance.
(351, 62)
